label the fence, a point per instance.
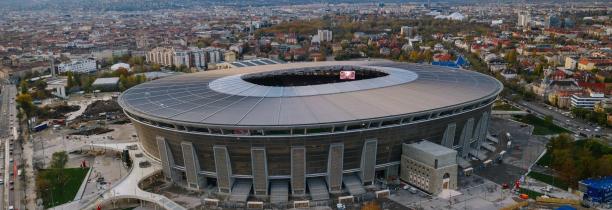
(358, 199)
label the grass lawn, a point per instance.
(548, 180)
(59, 195)
(532, 194)
(504, 107)
(545, 160)
(541, 127)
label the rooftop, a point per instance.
(106, 81)
(224, 98)
(432, 148)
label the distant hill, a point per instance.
(135, 5)
(141, 5)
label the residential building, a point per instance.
(588, 64)
(406, 31)
(181, 58)
(586, 100)
(324, 35)
(571, 62)
(524, 19)
(161, 55)
(197, 58)
(214, 54)
(238, 48)
(229, 56)
(548, 86)
(190, 57)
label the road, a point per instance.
(8, 123)
(575, 125)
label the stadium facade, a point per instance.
(298, 127)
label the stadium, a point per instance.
(305, 129)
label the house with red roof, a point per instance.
(588, 64)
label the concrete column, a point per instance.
(466, 137)
(192, 166)
(223, 168)
(259, 170)
(368, 161)
(449, 135)
(298, 170)
(166, 159)
(334, 167)
(483, 125)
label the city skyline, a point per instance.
(284, 104)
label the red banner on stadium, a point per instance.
(347, 75)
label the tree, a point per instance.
(86, 82)
(549, 119)
(70, 80)
(604, 166)
(183, 68)
(42, 184)
(121, 71)
(59, 159)
(123, 83)
(40, 85)
(428, 56)
(511, 58)
(561, 142)
(24, 101)
(539, 69)
(138, 69)
(23, 86)
(414, 56)
(155, 67)
(136, 60)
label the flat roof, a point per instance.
(218, 98)
(106, 81)
(431, 148)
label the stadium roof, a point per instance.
(254, 62)
(222, 98)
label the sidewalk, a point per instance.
(535, 185)
(30, 176)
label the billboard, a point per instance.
(347, 75)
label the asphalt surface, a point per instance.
(8, 121)
(573, 124)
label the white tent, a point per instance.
(116, 66)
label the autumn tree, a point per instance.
(511, 58)
(121, 72)
(155, 67)
(23, 86)
(59, 159)
(69, 80)
(24, 101)
(428, 56)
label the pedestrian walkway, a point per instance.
(126, 187)
(29, 174)
(353, 184)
